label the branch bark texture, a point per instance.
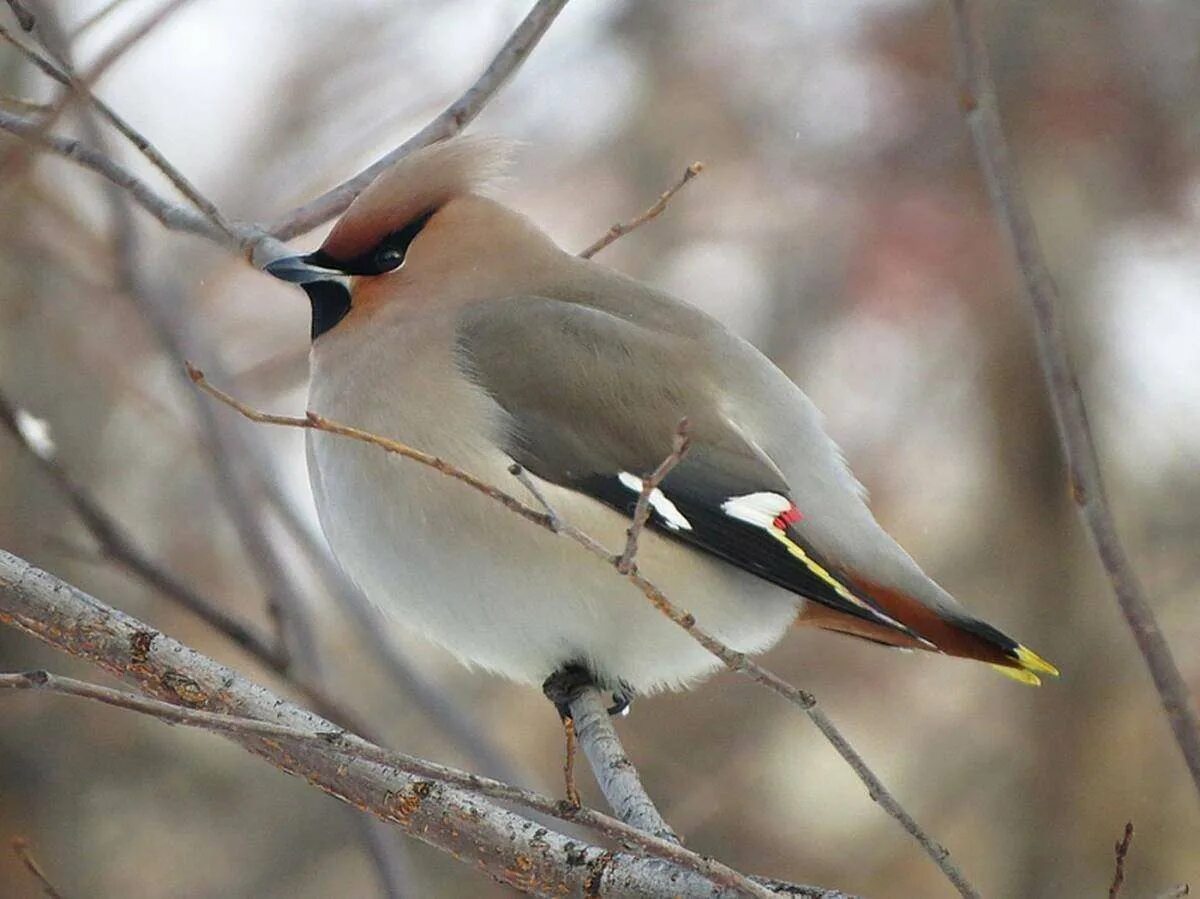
(506, 846)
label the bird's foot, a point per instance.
(622, 700)
(567, 682)
(564, 685)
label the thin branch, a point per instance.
(81, 86)
(452, 120)
(297, 639)
(63, 616)
(619, 230)
(313, 421)
(95, 18)
(264, 245)
(117, 545)
(139, 141)
(1121, 851)
(23, 16)
(393, 869)
(641, 511)
(24, 852)
(735, 661)
(172, 216)
(1087, 484)
(615, 774)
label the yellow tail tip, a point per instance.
(1031, 661)
(1031, 664)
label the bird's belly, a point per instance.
(503, 594)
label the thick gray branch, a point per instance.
(508, 847)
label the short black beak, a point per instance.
(328, 288)
(301, 270)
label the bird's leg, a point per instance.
(573, 798)
(561, 688)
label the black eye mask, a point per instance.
(385, 256)
(323, 277)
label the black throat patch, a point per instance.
(330, 302)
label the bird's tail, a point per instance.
(957, 635)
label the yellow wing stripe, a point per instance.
(838, 587)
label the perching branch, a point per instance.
(619, 230)
(735, 661)
(616, 775)
(436, 804)
(1070, 413)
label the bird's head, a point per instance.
(385, 223)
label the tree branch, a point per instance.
(978, 99)
(641, 510)
(117, 545)
(452, 120)
(436, 804)
(139, 141)
(735, 661)
(619, 230)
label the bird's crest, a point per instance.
(416, 186)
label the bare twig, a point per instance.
(317, 422)
(189, 684)
(641, 511)
(735, 661)
(24, 852)
(116, 545)
(23, 16)
(140, 142)
(95, 18)
(616, 775)
(1121, 850)
(264, 244)
(81, 86)
(1070, 413)
(619, 230)
(453, 119)
(172, 216)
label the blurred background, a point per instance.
(840, 224)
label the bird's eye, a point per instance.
(388, 258)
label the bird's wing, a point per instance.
(593, 401)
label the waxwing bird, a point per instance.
(444, 319)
